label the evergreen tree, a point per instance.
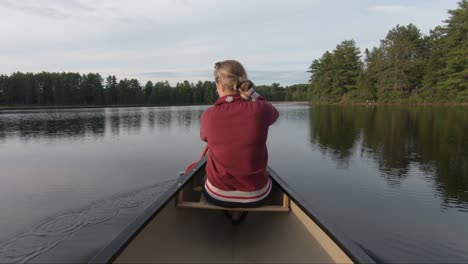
(148, 90)
(112, 94)
(297, 92)
(321, 79)
(92, 88)
(336, 73)
(367, 81)
(347, 67)
(446, 73)
(135, 91)
(3, 84)
(404, 53)
(210, 92)
(198, 93)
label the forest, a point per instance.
(66, 89)
(407, 66)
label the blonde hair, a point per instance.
(233, 76)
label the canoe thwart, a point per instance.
(192, 197)
(266, 208)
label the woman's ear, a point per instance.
(219, 86)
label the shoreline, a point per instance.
(40, 107)
(37, 107)
(45, 107)
(392, 104)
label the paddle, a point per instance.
(193, 164)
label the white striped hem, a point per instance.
(238, 196)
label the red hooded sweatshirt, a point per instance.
(236, 131)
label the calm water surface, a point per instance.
(393, 179)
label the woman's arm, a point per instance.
(203, 128)
(271, 113)
(202, 136)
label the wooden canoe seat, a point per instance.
(193, 197)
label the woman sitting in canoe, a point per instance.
(236, 129)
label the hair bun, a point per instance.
(245, 85)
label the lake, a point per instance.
(393, 179)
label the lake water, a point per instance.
(393, 179)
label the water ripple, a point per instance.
(50, 233)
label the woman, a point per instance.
(236, 130)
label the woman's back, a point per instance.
(236, 129)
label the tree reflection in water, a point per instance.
(434, 139)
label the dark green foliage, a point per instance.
(347, 65)
(183, 92)
(209, 90)
(198, 94)
(401, 68)
(148, 90)
(336, 73)
(46, 88)
(406, 67)
(111, 90)
(3, 84)
(91, 87)
(447, 69)
(297, 92)
(24, 89)
(274, 92)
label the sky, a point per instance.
(178, 40)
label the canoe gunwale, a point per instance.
(351, 248)
(110, 252)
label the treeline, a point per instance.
(90, 89)
(276, 92)
(407, 66)
(45, 89)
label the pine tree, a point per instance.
(403, 59)
(447, 71)
(112, 95)
(347, 67)
(148, 90)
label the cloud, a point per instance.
(177, 40)
(390, 9)
(49, 8)
(282, 77)
(259, 77)
(180, 74)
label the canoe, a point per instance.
(181, 227)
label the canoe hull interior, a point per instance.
(286, 230)
(182, 235)
(281, 233)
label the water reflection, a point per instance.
(93, 123)
(393, 161)
(434, 139)
(184, 119)
(164, 118)
(54, 162)
(52, 126)
(151, 119)
(115, 123)
(131, 121)
(334, 133)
